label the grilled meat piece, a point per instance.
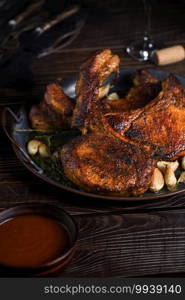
(142, 77)
(38, 119)
(54, 112)
(117, 105)
(103, 164)
(93, 73)
(145, 88)
(159, 125)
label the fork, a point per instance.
(67, 38)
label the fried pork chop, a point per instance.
(145, 88)
(159, 125)
(93, 72)
(99, 163)
(54, 112)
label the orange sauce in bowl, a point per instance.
(31, 241)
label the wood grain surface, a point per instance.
(115, 239)
(128, 245)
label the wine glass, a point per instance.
(143, 49)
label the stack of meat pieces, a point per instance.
(122, 140)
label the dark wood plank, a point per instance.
(129, 245)
(117, 22)
(15, 193)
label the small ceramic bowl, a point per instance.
(55, 266)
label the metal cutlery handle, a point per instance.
(27, 159)
(64, 40)
(57, 19)
(30, 9)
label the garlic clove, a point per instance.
(113, 96)
(33, 147)
(55, 155)
(44, 150)
(183, 162)
(182, 177)
(170, 178)
(103, 91)
(163, 164)
(157, 182)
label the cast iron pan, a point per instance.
(17, 119)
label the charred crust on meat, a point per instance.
(107, 165)
(54, 111)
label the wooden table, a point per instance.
(115, 238)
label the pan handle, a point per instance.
(7, 111)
